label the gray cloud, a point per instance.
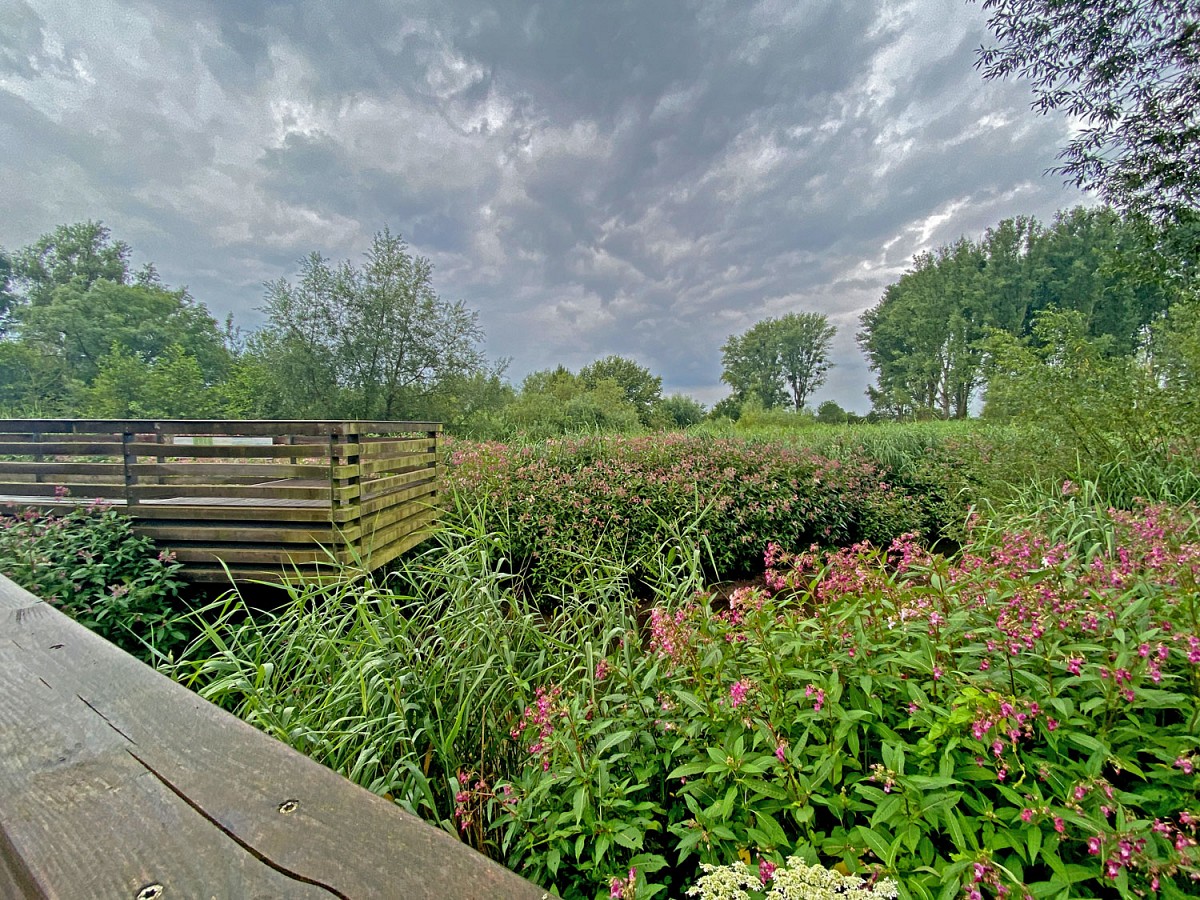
(594, 178)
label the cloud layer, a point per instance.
(594, 178)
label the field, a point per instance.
(959, 659)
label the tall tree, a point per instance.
(921, 337)
(366, 341)
(779, 360)
(1130, 73)
(77, 255)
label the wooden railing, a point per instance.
(116, 782)
(260, 498)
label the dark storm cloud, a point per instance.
(618, 177)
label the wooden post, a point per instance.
(128, 459)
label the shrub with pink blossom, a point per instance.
(1022, 719)
(552, 501)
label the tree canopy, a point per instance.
(779, 361)
(365, 341)
(1128, 72)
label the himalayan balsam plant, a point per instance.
(1020, 720)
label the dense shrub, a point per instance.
(1019, 720)
(91, 565)
(557, 502)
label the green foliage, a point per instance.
(677, 411)
(831, 413)
(1122, 417)
(91, 565)
(1020, 717)
(364, 341)
(171, 386)
(1128, 73)
(610, 496)
(779, 360)
(76, 256)
(556, 402)
(639, 387)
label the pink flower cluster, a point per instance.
(540, 717)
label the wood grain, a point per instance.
(113, 777)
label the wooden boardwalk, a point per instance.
(263, 498)
(116, 782)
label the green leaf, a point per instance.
(612, 740)
(765, 788)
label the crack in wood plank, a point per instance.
(253, 851)
(106, 719)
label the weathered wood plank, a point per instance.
(52, 468)
(178, 772)
(92, 448)
(229, 491)
(406, 447)
(263, 470)
(223, 451)
(29, 489)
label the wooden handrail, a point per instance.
(116, 782)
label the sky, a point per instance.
(593, 177)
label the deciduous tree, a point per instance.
(779, 360)
(1128, 71)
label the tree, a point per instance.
(366, 341)
(8, 299)
(1128, 71)
(78, 255)
(777, 358)
(640, 388)
(79, 324)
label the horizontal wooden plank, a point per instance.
(221, 451)
(383, 535)
(237, 781)
(205, 468)
(377, 486)
(62, 448)
(376, 504)
(50, 469)
(282, 556)
(231, 491)
(273, 533)
(156, 510)
(89, 491)
(375, 449)
(392, 464)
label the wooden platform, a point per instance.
(116, 782)
(266, 499)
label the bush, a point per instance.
(1020, 720)
(560, 501)
(91, 565)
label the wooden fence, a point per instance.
(262, 497)
(116, 782)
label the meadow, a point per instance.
(935, 660)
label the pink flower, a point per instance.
(1059, 825)
(737, 692)
(602, 670)
(1094, 845)
(1073, 665)
(780, 751)
(1027, 815)
(1185, 763)
(766, 870)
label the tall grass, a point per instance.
(405, 684)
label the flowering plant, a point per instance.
(1020, 719)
